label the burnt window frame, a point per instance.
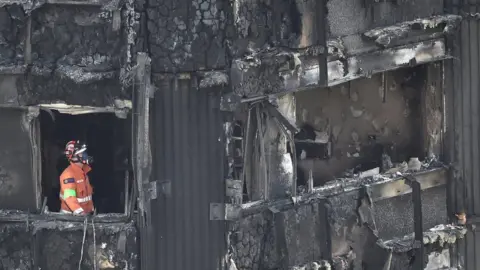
(129, 206)
(32, 115)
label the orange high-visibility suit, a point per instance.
(75, 190)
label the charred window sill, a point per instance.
(29, 6)
(20, 216)
(381, 187)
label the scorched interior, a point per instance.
(108, 142)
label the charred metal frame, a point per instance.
(418, 263)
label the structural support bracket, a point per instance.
(151, 190)
(224, 211)
(418, 263)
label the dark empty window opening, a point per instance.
(108, 141)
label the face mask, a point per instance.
(86, 159)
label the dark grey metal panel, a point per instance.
(462, 88)
(189, 162)
(18, 188)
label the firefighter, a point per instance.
(75, 189)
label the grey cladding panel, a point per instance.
(188, 149)
(462, 88)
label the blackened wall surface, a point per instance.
(189, 165)
(187, 35)
(41, 89)
(75, 54)
(356, 16)
(278, 241)
(80, 36)
(58, 245)
(17, 176)
(16, 252)
(395, 216)
(115, 246)
(12, 33)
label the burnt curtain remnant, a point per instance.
(296, 134)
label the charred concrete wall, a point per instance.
(186, 36)
(59, 53)
(353, 17)
(58, 245)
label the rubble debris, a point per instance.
(321, 265)
(369, 173)
(386, 162)
(213, 78)
(440, 235)
(414, 164)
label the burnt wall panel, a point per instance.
(17, 175)
(254, 243)
(189, 163)
(12, 35)
(83, 37)
(187, 35)
(285, 239)
(394, 216)
(60, 245)
(46, 89)
(292, 23)
(15, 247)
(9, 86)
(348, 17)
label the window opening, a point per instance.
(370, 129)
(108, 141)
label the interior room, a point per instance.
(108, 141)
(386, 124)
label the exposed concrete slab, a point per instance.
(291, 71)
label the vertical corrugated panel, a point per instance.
(462, 76)
(188, 146)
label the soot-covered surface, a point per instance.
(395, 216)
(15, 247)
(58, 244)
(12, 32)
(82, 37)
